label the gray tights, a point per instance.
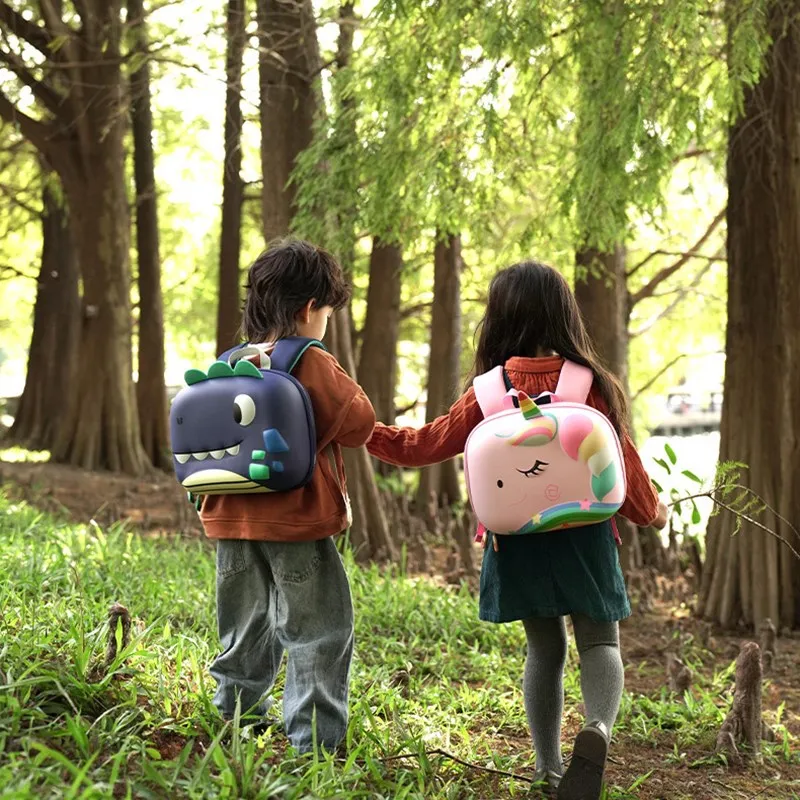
(601, 679)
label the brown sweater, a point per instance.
(446, 436)
(344, 417)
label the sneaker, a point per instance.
(545, 783)
(583, 779)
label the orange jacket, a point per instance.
(344, 417)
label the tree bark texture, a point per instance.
(601, 290)
(377, 366)
(442, 480)
(369, 533)
(151, 392)
(79, 128)
(751, 576)
(101, 427)
(56, 326)
(229, 308)
(287, 69)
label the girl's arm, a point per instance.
(440, 440)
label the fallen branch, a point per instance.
(439, 752)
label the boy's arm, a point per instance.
(440, 440)
(342, 411)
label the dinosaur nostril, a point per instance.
(179, 420)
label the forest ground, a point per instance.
(428, 674)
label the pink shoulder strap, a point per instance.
(490, 390)
(574, 383)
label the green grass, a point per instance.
(145, 726)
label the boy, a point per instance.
(281, 584)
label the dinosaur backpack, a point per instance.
(539, 465)
(241, 428)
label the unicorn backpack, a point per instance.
(241, 428)
(531, 469)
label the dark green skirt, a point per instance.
(574, 571)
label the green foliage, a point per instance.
(428, 674)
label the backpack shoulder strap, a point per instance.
(490, 389)
(574, 383)
(228, 353)
(288, 351)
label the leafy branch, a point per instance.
(727, 493)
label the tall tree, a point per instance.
(750, 575)
(377, 365)
(228, 308)
(287, 68)
(442, 480)
(56, 327)
(151, 392)
(292, 29)
(78, 123)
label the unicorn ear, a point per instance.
(528, 408)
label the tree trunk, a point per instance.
(601, 290)
(56, 325)
(151, 392)
(287, 69)
(369, 533)
(228, 308)
(377, 366)
(442, 480)
(750, 576)
(290, 30)
(101, 427)
(81, 106)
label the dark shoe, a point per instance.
(545, 783)
(583, 779)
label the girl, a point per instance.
(532, 324)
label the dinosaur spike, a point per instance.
(219, 369)
(244, 367)
(192, 376)
(529, 409)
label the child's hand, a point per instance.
(661, 520)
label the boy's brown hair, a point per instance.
(280, 283)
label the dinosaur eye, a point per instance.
(244, 409)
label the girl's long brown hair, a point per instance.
(531, 308)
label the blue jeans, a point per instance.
(293, 596)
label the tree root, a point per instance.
(743, 724)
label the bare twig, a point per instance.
(439, 752)
(665, 273)
(681, 294)
(667, 367)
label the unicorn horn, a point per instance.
(529, 409)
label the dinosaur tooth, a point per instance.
(182, 458)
